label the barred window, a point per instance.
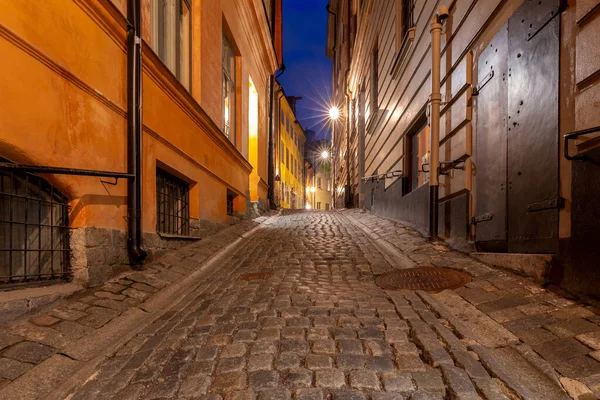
(172, 204)
(34, 230)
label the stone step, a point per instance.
(537, 266)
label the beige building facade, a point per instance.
(474, 152)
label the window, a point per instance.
(172, 204)
(318, 183)
(318, 205)
(327, 206)
(418, 155)
(229, 73)
(34, 230)
(170, 36)
(281, 152)
(374, 81)
(230, 199)
(287, 158)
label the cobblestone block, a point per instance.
(264, 347)
(323, 346)
(7, 339)
(344, 333)
(229, 382)
(398, 382)
(318, 333)
(310, 394)
(349, 362)
(288, 360)
(294, 346)
(330, 378)
(261, 380)
(430, 381)
(318, 361)
(350, 346)
(207, 353)
(348, 394)
(195, 386)
(270, 334)
(29, 352)
(298, 378)
(234, 350)
(380, 364)
(12, 369)
(388, 396)
(275, 394)
(364, 379)
(260, 362)
(44, 320)
(458, 383)
(231, 364)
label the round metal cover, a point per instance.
(432, 279)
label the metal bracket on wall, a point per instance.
(483, 82)
(573, 136)
(559, 202)
(481, 218)
(447, 166)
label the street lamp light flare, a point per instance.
(334, 113)
(325, 155)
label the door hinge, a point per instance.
(483, 82)
(481, 218)
(550, 204)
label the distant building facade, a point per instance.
(147, 121)
(318, 177)
(451, 120)
(289, 157)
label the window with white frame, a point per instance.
(170, 36)
(229, 88)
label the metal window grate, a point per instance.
(172, 204)
(34, 231)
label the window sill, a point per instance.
(169, 236)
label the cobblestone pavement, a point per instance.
(293, 312)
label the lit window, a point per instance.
(229, 72)
(170, 36)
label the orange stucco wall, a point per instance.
(64, 101)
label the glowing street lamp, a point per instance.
(325, 155)
(334, 113)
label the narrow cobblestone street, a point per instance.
(293, 312)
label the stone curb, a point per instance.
(391, 254)
(66, 371)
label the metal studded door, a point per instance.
(533, 79)
(492, 102)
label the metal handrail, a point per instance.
(573, 136)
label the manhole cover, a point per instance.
(432, 279)
(255, 276)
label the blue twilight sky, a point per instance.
(308, 70)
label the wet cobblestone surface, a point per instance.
(318, 327)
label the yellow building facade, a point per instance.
(290, 157)
(205, 70)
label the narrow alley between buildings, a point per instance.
(287, 307)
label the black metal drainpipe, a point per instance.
(134, 133)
